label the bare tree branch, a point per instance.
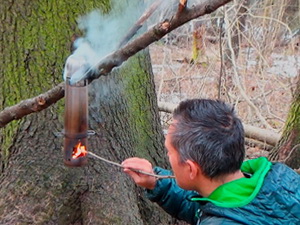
(32, 105)
(113, 60)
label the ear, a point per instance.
(194, 169)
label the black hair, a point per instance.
(209, 133)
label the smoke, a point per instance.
(104, 32)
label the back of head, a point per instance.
(209, 133)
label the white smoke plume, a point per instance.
(103, 33)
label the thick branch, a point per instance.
(266, 136)
(113, 60)
(263, 135)
(32, 105)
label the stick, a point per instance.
(138, 171)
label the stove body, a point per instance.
(75, 118)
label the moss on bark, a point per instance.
(36, 188)
(288, 147)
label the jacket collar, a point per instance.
(240, 192)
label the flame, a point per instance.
(79, 151)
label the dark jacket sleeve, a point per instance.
(174, 200)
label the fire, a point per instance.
(79, 151)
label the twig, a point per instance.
(238, 83)
(221, 56)
(291, 153)
(135, 170)
(260, 53)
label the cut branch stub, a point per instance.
(165, 26)
(182, 5)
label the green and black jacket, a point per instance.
(271, 195)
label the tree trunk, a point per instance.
(36, 188)
(238, 25)
(288, 147)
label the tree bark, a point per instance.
(36, 188)
(288, 147)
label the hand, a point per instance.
(141, 180)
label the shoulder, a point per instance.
(281, 179)
(280, 193)
(280, 174)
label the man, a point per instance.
(205, 145)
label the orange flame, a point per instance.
(79, 151)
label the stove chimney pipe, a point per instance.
(76, 115)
